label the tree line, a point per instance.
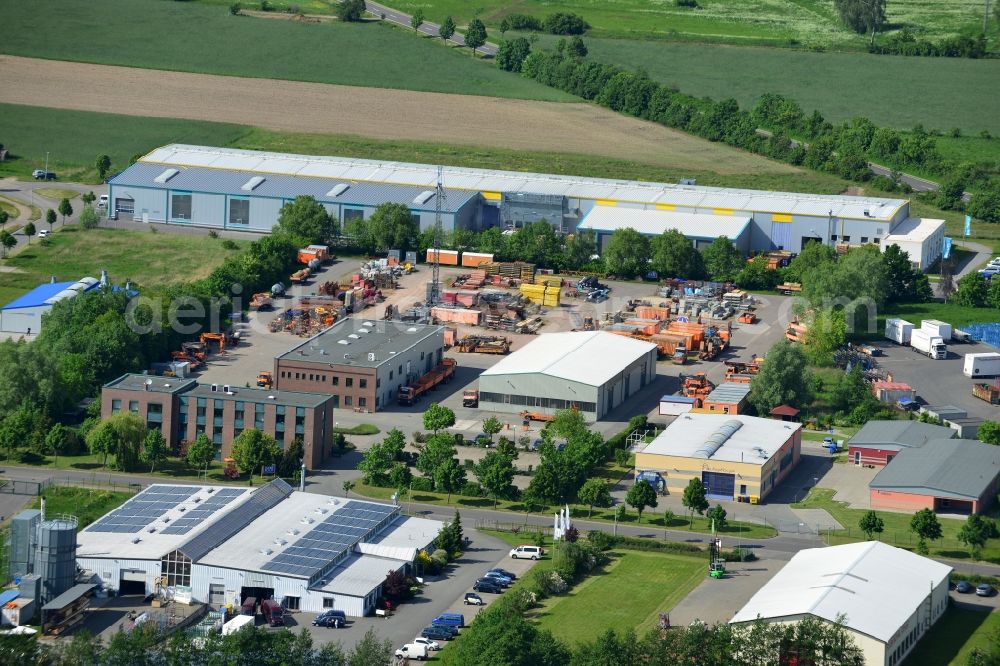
(792, 136)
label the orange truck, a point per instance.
(407, 395)
(320, 252)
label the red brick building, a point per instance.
(182, 409)
(878, 442)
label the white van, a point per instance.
(44, 233)
(527, 552)
(102, 201)
(413, 651)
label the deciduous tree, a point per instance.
(307, 220)
(252, 449)
(673, 255)
(492, 426)
(201, 452)
(438, 417)
(717, 517)
(723, 261)
(475, 35)
(784, 379)
(511, 54)
(862, 16)
(974, 534)
(594, 493)
(871, 524)
(29, 229)
(989, 432)
(417, 19)
(57, 440)
(627, 253)
(436, 450)
(926, 526)
(103, 164)
(350, 10)
(694, 499)
(447, 28)
(495, 473)
(65, 209)
(972, 291)
(639, 496)
(89, 219)
(449, 477)
(7, 241)
(154, 449)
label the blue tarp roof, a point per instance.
(38, 295)
(8, 596)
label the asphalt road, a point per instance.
(23, 192)
(426, 28)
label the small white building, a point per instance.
(591, 371)
(307, 551)
(886, 597)
(920, 237)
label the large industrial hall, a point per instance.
(222, 545)
(590, 371)
(227, 188)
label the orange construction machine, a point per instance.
(222, 339)
(265, 379)
(697, 386)
(409, 394)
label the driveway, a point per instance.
(426, 28)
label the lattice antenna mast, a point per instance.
(440, 201)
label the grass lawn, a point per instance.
(145, 258)
(651, 518)
(635, 587)
(843, 91)
(363, 54)
(87, 504)
(173, 469)
(955, 635)
(57, 194)
(811, 22)
(897, 528)
(11, 211)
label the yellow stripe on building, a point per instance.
(666, 207)
(607, 202)
(491, 196)
(781, 217)
(722, 211)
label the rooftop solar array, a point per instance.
(260, 501)
(143, 509)
(327, 540)
(202, 511)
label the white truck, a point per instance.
(412, 651)
(238, 623)
(937, 328)
(982, 365)
(898, 330)
(931, 345)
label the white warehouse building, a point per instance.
(223, 545)
(225, 188)
(591, 371)
(888, 597)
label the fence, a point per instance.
(31, 488)
(898, 538)
(513, 528)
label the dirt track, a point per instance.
(373, 112)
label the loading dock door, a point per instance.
(216, 595)
(123, 205)
(132, 581)
(718, 485)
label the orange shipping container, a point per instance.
(457, 315)
(473, 259)
(447, 257)
(645, 326)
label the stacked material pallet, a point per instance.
(650, 312)
(475, 280)
(542, 294)
(695, 331)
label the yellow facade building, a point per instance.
(737, 457)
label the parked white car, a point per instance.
(431, 645)
(102, 201)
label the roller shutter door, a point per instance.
(719, 485)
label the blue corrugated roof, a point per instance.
(677, 398)
(221, 181)
(8, 596)
(38, 295)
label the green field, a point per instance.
(194, 37)
(775, 22)
(86, 504)
(892, 91)
(145, 258)
(954, 636)
(630, 594)
(897, 528)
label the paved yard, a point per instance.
(850, 482)
(718, 600)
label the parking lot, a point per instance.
(441, 594)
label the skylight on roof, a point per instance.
(338, 189)
(423, 197)
(166, 175)
(252, 184)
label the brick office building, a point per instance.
(361, 363)
(182, 409)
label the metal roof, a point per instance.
(914, 230)
(69, 596)
(424, 176)
(754, 442)
(236, 183)
(137, 382)
(733, 392)
(655, 222)
(50, 293)
(875, 587)
(587, 357)
(959, 468)
(898, 434)
(253, 394)
(360, 575)
(366, 343)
